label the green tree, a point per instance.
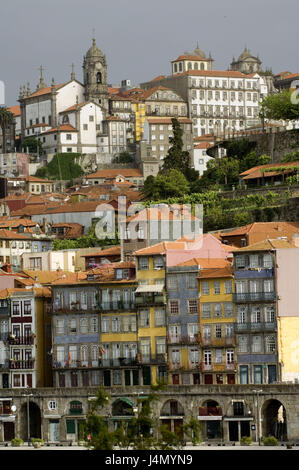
(170, 183)
(176, 157)
(32, 144)
(6, 120)
(97, 433)
(291, 157)
(63, 166)
(280, 106)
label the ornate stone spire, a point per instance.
(41, 80)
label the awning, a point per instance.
(152, 288)
(126, 400)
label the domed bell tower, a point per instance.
(95, 76)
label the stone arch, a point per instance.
(122, 407)
(172, 407)
(274, 419)
(99, 77)
(211, 407)
(34, 421)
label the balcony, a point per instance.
(254, 273)
(21, 364)
(183, 339)
(250, 326)
(75, 364)
(146, 300)
(117, 306)
(254, 297)
(217, 342)
(21, 340)
(119, 362)
(218, 366)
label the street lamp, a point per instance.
(258, 415)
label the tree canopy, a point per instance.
(280, 106)
(176, 158)
(63, 166)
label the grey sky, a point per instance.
(139, 37)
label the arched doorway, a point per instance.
(210, 413)
(34, 421)
(274, 420)
(172, 416)
(122, 412)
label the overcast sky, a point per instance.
(139, 37)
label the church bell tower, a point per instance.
(95, 76)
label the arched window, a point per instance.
(175, 68)
(180, 66)
(202, 66)
(65, 119)
(99, 77)
(196, 66)
(189, 66)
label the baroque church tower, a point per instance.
(95, 76)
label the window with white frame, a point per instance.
(254, 261)
(207, 355)
(228, 309)
(73, 325)
(144, 316)
(143, 262)
(175, 355)
(267, 261)
(270, 344)
(60, 326)
(256, 316)
(218, 331)
(240, 261)
(194, 355)
(218, 356)
(206, 331)
(270, 314)
(172, 282)
(159, 317)
(83, 325)
(105, 326)
(256, 346)
(217, 287)
(228, 287)
(230, 356)
(205, 310)
(192, 330)
(160, 345)
(242, 344)
(205, 287)
(217, 310)
(242, 314)
(174, 307)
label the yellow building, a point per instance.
(150, 301)
(217, 318)
(139, 113)
(119, 337)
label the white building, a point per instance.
(201, 157)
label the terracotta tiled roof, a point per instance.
(44, 91)
(11, 235)
(291, 75)
(45, 277)
(35, 179)
(154, 213)
(159, 77)
(115, 250)
(216, 273)
(257, 171)
(207, 263)
(160, 248)
(189, 57)
(265, 229)
(38, 291)
(62, 128)
(73, 107)
(270, 244)
(203, 145)
(112, 173)
(15, 110)
(113, 90)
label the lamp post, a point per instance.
(257, 392)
